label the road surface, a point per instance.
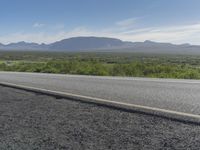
(30, 121)
(170, 94)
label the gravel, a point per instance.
(32, 121)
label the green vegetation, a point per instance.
(104, 64)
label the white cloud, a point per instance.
(174, 34)
(58, 27)
(126, 22)
(44, 37)
(38, 25)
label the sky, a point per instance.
(47, 21)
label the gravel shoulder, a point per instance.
(31, 121)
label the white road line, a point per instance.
(164, 80)
(187, 117)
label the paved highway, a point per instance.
(33, 121)
(170, 94)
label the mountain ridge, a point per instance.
(102, 44)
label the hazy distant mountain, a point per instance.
(71, 44)
(1, 45)
(105, 45)
(86, 43)
(23, 46)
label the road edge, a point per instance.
(168, 114)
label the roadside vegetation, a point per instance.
(103, 64)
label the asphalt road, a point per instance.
(31, 121)
(170, 94)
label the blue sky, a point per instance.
(176, 21)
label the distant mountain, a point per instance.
(86, 43)
(23, 46)
(71, 44)
(104, 44)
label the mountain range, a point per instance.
(103, 44)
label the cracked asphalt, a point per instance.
(32, 121)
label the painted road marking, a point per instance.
(180, 116)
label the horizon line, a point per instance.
(24, 41)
